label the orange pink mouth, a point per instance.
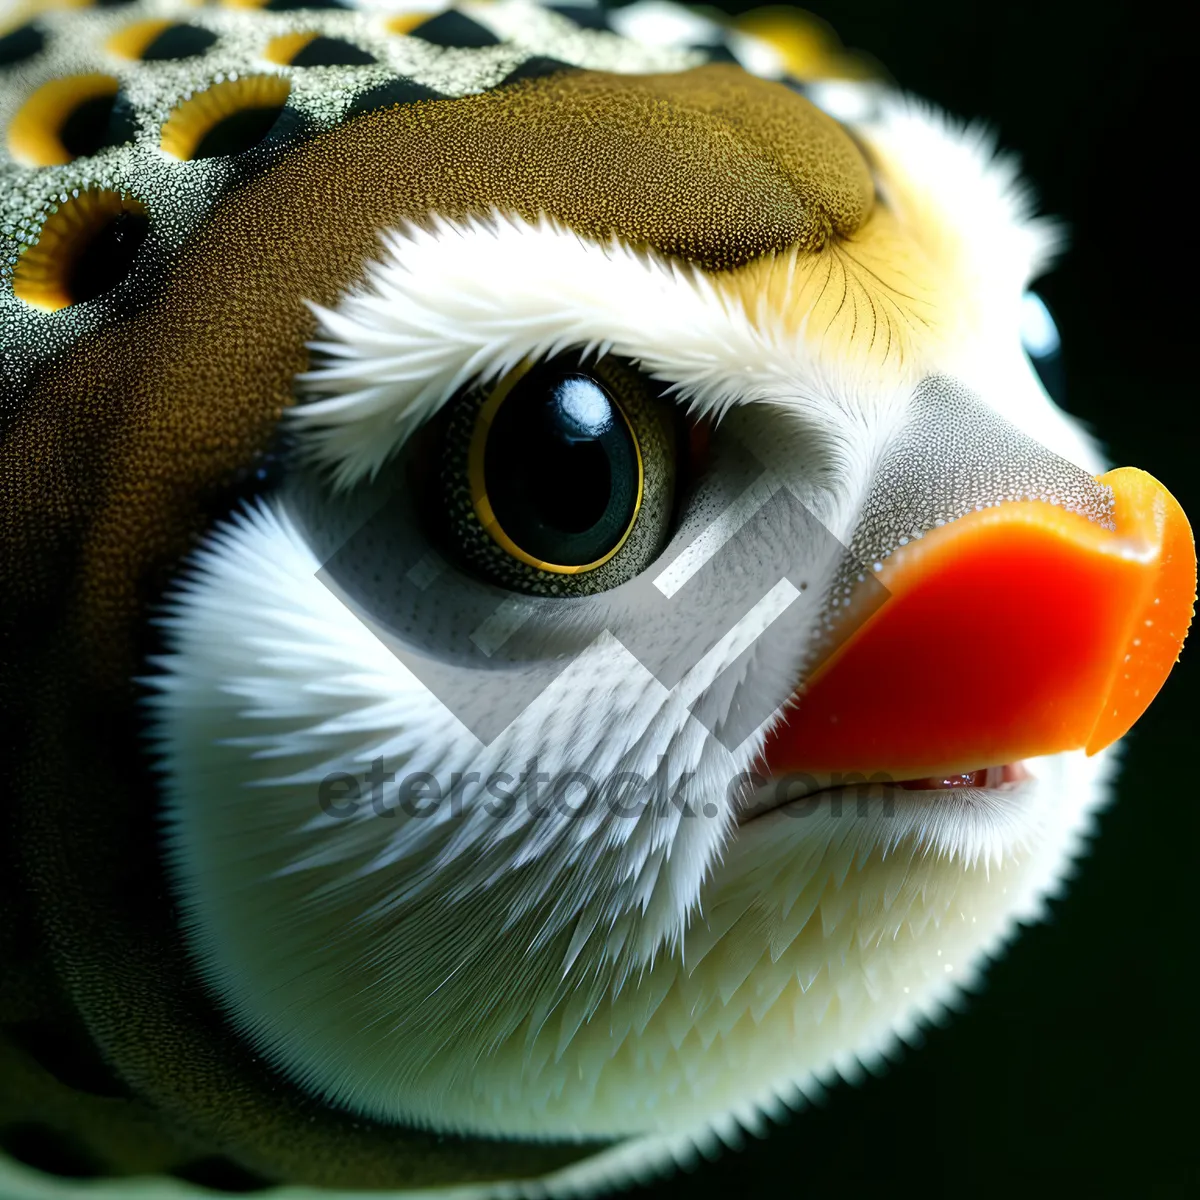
(988, 777)
(1082, 623)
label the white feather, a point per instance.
(664, 979)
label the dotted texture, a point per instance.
(131, 420)
(102, 494)
(955, 456)
(178, 194)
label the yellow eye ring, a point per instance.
(542, 489)
(477, 482)
(42, 275)
(186, 128)
(35, 134)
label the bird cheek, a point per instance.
(1013, 632)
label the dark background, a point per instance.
(1072, 1071)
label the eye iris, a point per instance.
(561, 469)
(559, 479)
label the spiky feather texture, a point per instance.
(667, 979)
(394, 940)
(465, 301)
(461, 301)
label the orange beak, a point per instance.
(1014, 632)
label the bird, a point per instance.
(549, 612)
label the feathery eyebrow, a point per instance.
(465, 302)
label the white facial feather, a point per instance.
(665, 979)
(469, 300)
(980, 210)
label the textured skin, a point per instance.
(427, 64)
(134, 419)
(209, 363)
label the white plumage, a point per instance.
(667, 979)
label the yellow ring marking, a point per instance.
(41, 273)
(284, 48)
(402, 23)
(186, 127)
(35, 133)
(134, 40)
(478, 485)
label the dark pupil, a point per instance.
(561, 468)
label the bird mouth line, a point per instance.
(786, 789)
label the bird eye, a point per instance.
(561, 478)
(1041, 340)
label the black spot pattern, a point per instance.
(20, 45)
(96, 124)
(453, 30)
(179, 41)
(238, 132)
(586, 16)
(352, 79)
(535, 68)
(108, 257)
(332, 52)
(390, 94)
(299, 5)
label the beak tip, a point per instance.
(1159, 625)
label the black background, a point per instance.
(1071, 1072)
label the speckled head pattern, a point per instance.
(236, 163)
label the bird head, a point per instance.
(574, 615)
